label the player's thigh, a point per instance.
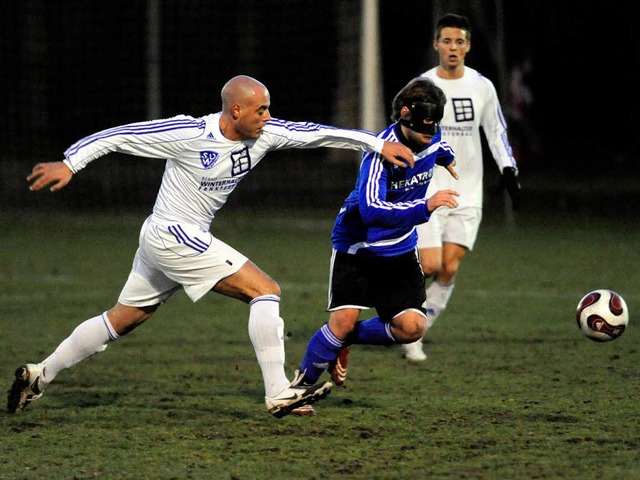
(247, 283)
(431, 260)
(190, 257)
(349, 282)
(399, 285)
(146, 285)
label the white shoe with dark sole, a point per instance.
(25, 388)
(296, 396)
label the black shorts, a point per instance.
(388, 284)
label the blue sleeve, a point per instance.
(445, 154)
(375, 210)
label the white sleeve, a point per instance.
(495, 129)
(313, 135)
(153, 139)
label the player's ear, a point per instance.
(405, 113)
(236, 110)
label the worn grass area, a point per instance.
(511, 390)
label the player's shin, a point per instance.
(438, 296)
(372, 332)
(88, 338)
(266, 331)
(323, 347)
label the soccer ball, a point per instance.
(602, 315)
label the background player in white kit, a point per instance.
(206, 158)
(472, 102)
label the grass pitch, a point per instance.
(511, 389)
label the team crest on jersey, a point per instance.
(208, 159)
(463, 109)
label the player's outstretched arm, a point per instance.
(54, 174)
(398, 154)
(442, 198)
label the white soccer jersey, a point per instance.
(472, 102)
(202, 165)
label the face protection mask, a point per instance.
(421, 112)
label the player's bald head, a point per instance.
(242, 90)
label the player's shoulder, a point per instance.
(431, 73)
(183, 122)
(182, 117)
(478, 78)
(389, 133)
(438, 145)
(177, 127)
(209, 119)
(279, 126)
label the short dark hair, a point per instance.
(452, 20)
(419, 89)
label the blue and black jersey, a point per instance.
(379, 216)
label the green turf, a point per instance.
(511, 389)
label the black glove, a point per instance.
(509, 182)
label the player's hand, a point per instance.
(442, 198)
(452, 170)
(54, 174)
(509, 182)
(398, 154)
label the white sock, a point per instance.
(437, 298)
(266, 330)
(90, 337)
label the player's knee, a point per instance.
(448, 273)
(271, 287)
(409, 326)
(124, 318)
(417, 331)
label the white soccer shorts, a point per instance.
(454, 225)
(177, 256)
